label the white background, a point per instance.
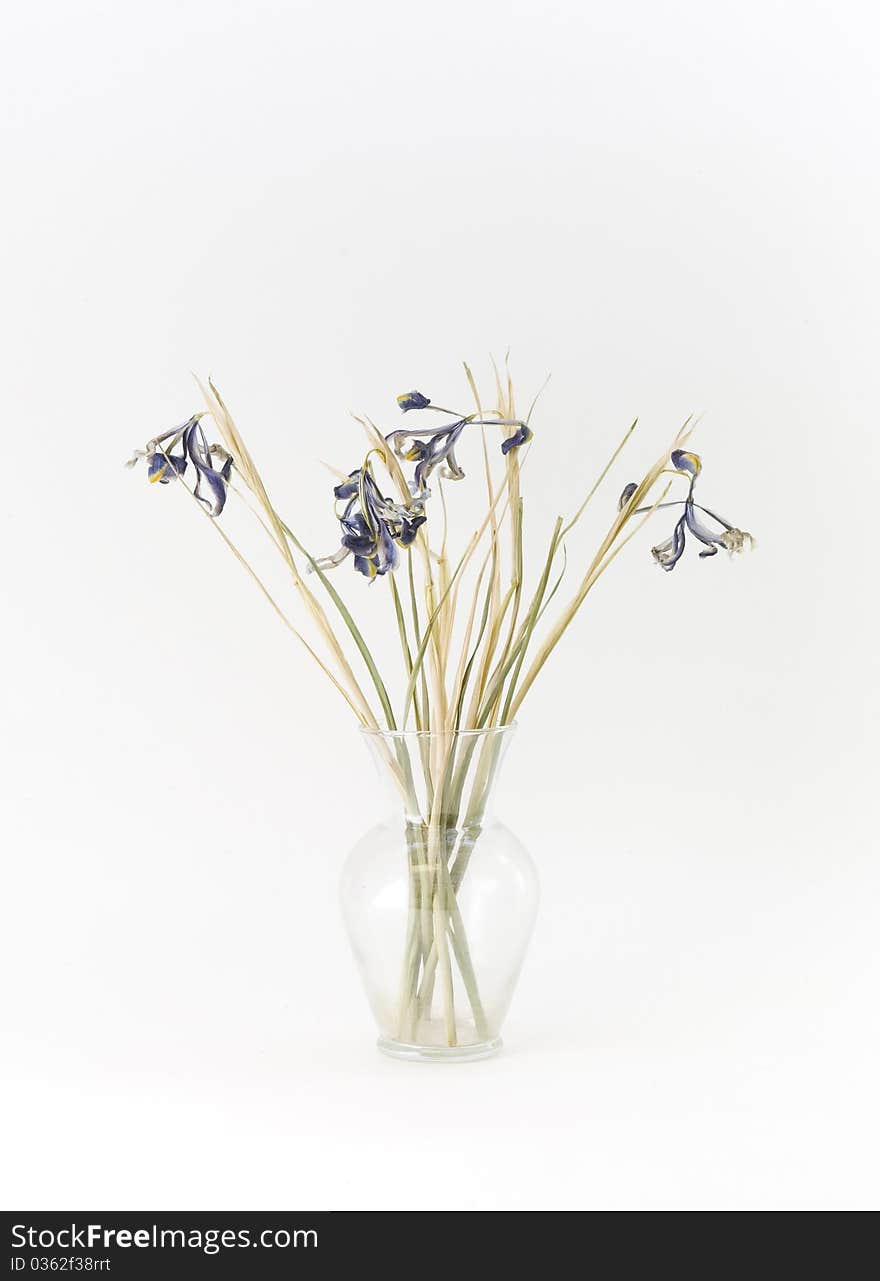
(673, 207)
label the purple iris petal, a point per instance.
(683, 460)
(196, 446)
(701, 531)
(409, 527)
(365, 566)
(416, 451)
(413, 400)
(627, 494)
(347, 488)
(443, 451)
(422, 471)
(357, 536)
(163, 467)
(386, 552)
(519, 437)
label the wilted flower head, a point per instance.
(668, 553)
(373, 527)
(427, 448)
(212, 463)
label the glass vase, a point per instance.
(440, 899)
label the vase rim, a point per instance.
(407, 734)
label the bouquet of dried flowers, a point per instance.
(474, 631)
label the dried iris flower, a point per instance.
(212, 463)
(373, 527)
(668, 553)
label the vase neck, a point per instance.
(443, 779)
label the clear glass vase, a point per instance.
(440, 899)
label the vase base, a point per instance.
(439, 1053)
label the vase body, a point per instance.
(440, 899)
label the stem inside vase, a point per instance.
(437, 963)
(440, 899)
